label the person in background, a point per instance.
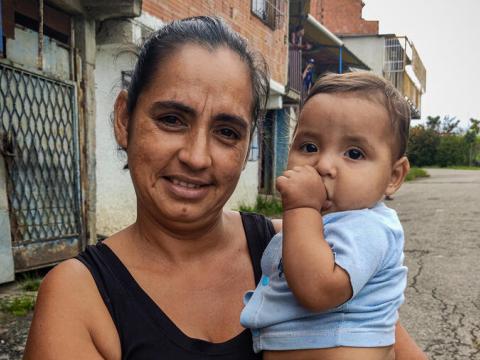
(307, 76)
(297, 40)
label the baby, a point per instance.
(333, 281)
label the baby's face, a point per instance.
(348, 139)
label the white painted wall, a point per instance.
(369, 49)
(6, 255)
(247, 188)
(116, 205)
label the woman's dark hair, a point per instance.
(205, 31)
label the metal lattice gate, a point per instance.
(39, 142)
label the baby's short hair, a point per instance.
(367, 83)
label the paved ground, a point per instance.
(441, 217)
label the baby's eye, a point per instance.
(354, 154)
(309, 148)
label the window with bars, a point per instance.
(271, 12)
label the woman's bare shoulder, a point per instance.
(66, 279)
(69, 313)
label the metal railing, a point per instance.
(295, 70)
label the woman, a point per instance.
(171, 284)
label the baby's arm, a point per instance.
(309, 265)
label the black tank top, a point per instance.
(144, 329)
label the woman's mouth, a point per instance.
(187, 188)
(185, 184)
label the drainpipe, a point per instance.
(340, 60)
(1, 29)
(40, 37)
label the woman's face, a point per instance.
(189, 134)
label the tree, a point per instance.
(433, 123)
(451, 150)
(471, 140)
(450, 125)
(422, 145)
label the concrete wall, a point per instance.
(23, 50)
(116, 206)
(369, 49)
(6, 255)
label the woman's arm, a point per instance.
(66, 308)
(405, 347)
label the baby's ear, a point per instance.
(399, 172)
(121, 119)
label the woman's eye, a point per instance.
(170, 120)
(228, 133)
(309, 148)
(354, 154)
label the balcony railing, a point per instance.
(295, 70)
(404, 69)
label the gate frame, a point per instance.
(77, 140)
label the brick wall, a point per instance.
(271, 43)
(343, 17)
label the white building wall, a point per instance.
(116, 206)
(369, 49)
(247, 188)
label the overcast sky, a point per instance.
(447, 36)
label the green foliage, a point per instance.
(433, 123)
(266, 205)
(422, 146)
(18, 305)
(416, 173)
(452, 150)
(30, 283)
(443, 143)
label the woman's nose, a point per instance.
(196, 153)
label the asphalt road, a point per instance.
(441, 218)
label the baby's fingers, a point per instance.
(281, 183)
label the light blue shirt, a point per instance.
(368, 245)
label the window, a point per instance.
(271, 12)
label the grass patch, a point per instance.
(30, 281)
(265, 205)
(415, 173)
(30, 284)
(18, 305)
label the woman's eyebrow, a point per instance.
(173, 105)
(240, 121)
